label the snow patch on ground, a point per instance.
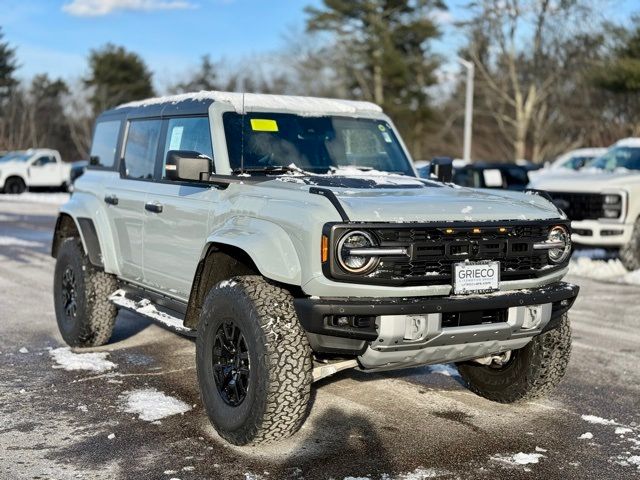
(603, 269)
(146, 308)
(586, 436)
(33, 197)
(67, 360)
(151, 405)
(520, 458)
(598, 420)
(17, 242)
(623, 430)
(447, 370)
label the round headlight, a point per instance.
(356, 263)
(559, 234)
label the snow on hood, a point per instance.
(263, 102)
(584, 180)
(372, 198)
(436, 203)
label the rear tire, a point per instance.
(14, 185)
(81, 292)
(253, 360)
(532, 371)
(630, 253)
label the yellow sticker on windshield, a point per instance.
(264, 125)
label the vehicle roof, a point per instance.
(633, 142)
(199, 102)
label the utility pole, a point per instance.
(468, 108)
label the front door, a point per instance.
(126, 196)
(176, 229)
(44, 171)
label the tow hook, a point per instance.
(497, 360)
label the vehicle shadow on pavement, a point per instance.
(128, 325)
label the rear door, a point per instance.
(126, 195)
(176, 225)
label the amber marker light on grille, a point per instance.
(324, 249)
(449, 230)
(502, 230)
(477, 230)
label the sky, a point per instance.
(56, 36)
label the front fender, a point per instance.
(85, 206)
(268, 245)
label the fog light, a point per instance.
(342, 321)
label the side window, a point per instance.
(105, 141)
(141, 148)
(42, 161)
(188, 133)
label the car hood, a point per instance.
(403, 199)
(591, 180)
(13, 165)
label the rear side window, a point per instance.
(188, 133)
(141, 148)
(105, 141)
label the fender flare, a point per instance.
(266, 243)
(93, 228)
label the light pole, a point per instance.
(468, 108)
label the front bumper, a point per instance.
(599, 233)
(318, 316)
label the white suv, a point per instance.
(34, 168)
(602, 200)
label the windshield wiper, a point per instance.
(269, 169)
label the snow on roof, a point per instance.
(263, 102)
(633, 142)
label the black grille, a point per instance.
(477, 317)
(433, 251)
(579, 206)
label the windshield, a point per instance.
(15, 157)
(627, 158)
(313, 144)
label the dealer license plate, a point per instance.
(478, 277)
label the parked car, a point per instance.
(35, 168)
(292, 238)
(509, 176)
(576, 159)
(603, 200)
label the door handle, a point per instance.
(111, 200)
(154, 207)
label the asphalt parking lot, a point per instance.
(421, 423)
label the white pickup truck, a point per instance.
(34, 168)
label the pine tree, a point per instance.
(386, 53)
(205, 78)
(117, 76)
(8, 66)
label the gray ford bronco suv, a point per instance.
(292, 238)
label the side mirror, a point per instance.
(442, 169)
(187, 165)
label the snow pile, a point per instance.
(151, 405)
(598, 420)
(17, 242)
(599, 265)
(250, 102)
(519, 458)
(32, 197)
(95, 362)
(586, 436)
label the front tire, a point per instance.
(630, 253)
(253, 361)
(14, 185)
(532, 371)
(81, 292)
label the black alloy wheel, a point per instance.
(231, 364)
